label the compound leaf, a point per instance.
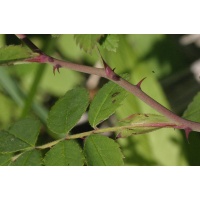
(87, 42)
(101, 150)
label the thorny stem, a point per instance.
(181, 123)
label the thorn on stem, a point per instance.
(140, 82)
(56, 67)
(187, 132)
(110, 73)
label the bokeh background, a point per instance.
(170, 63)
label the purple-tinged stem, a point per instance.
(134, 89)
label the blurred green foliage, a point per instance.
(32, 89)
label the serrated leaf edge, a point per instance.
(117, 146)
(61, 99)
(94, 125)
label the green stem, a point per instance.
(32, 91)
(110, 129)
(50, 144)
(38, 77)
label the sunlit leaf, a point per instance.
(65, 153)
(87, 41)
(106, 101)
(109, 42)
(100, 150)
(11, 54)
(29, 158)
(68, 110)
(193, 111)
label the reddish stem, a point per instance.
(110, 74)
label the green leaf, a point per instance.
(158, 147)
(65, 153)
(105, 102)
(87, 42)
(11, 54)
(141, 123)
(5, 159)
(26, 130)
(102, 151)
(55, 35)
(29, 158)
(21, 135)
(68, 110)
(193, 111)
(109, 42)
(10, 143)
